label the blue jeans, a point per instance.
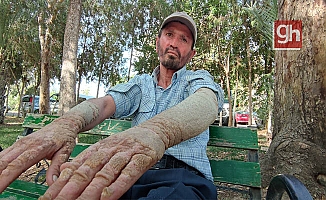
(177, 183)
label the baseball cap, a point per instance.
(185, 19)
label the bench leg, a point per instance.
(40, 176)
(255, 193)
(27, 131)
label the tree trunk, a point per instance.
(45, 76)
(69, 58)
(249, 80)
(2, 90)
(227, 77)
(45, 43)
(299, 135)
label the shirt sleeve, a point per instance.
(127, 97)
(203, 79)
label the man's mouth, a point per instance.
(172, 53)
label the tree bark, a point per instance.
(3, 84)
(45, 43)
(69, 58)
(299, 136)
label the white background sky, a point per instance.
(89, 89)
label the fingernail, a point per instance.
(54, 177)
(107, 192)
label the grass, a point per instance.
(10, 130)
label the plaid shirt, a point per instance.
(141, 98)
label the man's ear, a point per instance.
(193, 53)
(157, 41)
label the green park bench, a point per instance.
(240, 172)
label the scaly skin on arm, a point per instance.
(107, 169)
(73, 122)
(185, 120)
(55, 141)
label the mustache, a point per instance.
(172, 49)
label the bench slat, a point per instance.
(106, 128)
(236, 172)
(110, 126)
(78, 149)
(24, 190)
(243, 138)
(37, 121)
(7, 194)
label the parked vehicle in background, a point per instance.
(242, 117)
(81, 98)
(225, 114)
(28, 107)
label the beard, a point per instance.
(170, 61)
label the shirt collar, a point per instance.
(175, 76)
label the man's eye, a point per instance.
(169, 34)
(184, 40)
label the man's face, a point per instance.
(174, 47)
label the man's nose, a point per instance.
(175, 42)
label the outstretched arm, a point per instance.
(110, 167)
(55, 141)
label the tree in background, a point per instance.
(69, 58)
(47, 16)
(299, 141)
(109, 29)
(4, 19)
(11, 56)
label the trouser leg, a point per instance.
(171, 184)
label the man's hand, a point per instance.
(49, 142)
(107, 169)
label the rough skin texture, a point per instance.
(55, 141)
(110, 167)
(107, 169)
(186, 120)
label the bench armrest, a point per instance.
(289, 184)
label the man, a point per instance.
(162, 157)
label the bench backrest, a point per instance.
(243, 142)
(106, 128)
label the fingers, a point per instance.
(53, 172)
(75, 176)
(91, 180)
(55, 188)
(13, 166)
(105, 170)
(58, 159)
(106, 176)
(129, 175)
(12, 152)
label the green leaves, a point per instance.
(113, 32)
(264, 14)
